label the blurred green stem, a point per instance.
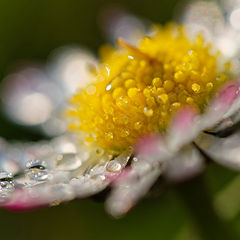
(200, 204)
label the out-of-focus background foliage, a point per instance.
(30, 30)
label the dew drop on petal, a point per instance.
(98, 177)
(99, 151)
(36, 164)
(114, 166)
(37, 175)
(6, 185)
(69, 162)
(4, 176)
(36, 170)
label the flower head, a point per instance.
(148, 111)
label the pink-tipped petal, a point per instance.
(183, 128)
(22, 200)
(126, 192)
(148, 144)
(184, 118)
(146, 166)
(222, 106)
(227, 96)
(152, 149)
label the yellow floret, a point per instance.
(196, 87)
(137, 89)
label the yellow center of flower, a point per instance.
(137, 89)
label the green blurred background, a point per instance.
(30, 30)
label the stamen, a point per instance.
(137, 95)
(132, 49)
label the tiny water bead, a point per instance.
(36, 164)
(5, 176)
(36, 171)
(6, 185)
(137, 89)
(114, 166)
(68, 162)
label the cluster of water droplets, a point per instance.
(6, 185)
(55, 171)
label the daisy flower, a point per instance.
(156, 108)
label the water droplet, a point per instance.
(135, 159)
(98, 177)
(69, 162)
(36, 164)
(99, 151)
(36, 171)
(37, 175)
(148, 112)
(5, 176)
(6, 186)
(109, 136)
(108, 87)
(138, 125)
(114, 166)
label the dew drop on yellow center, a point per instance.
(137, 89)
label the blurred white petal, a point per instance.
(28, 97)
(130, 188)
(187, 163)
(117, 22)
(225, 151)
(70, 68)
(203, 16)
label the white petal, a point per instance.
(225, 151)
(201, 17)
(69, 68)
(129, 189)
(116, 22)
(54, 171)
(187, 163)
(233, 109)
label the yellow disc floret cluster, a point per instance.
(138, 88)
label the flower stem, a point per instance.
(200, 205)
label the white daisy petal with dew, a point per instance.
(51, 172)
